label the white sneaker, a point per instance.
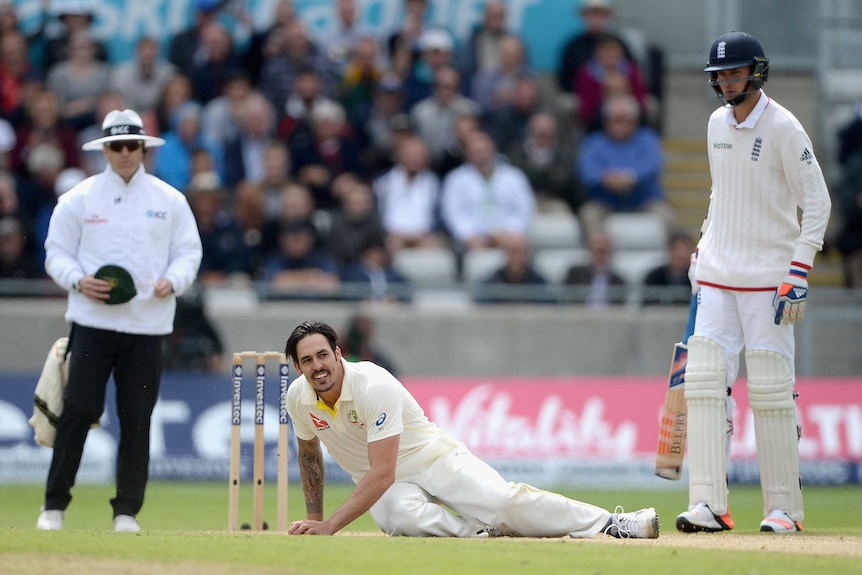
(642, 524)
(126, 524)
(700, 517)
(50, 519)
(489, 531)
(779, 521)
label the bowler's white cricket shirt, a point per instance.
(373, 405)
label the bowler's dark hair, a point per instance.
(305, 329)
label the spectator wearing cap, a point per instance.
(74, 16)
(436, 51)
(225, 256)
(402, 44)
(434, 117)
(301, 265)
(327, 152)
(146, 230)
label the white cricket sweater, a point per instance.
(145, 226)
(763, 170)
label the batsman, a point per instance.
(752, 268)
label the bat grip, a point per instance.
(692, 316)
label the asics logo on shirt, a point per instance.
(157, 214)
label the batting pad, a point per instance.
(705, 397)
(770, 394)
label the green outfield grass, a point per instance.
(184, 532)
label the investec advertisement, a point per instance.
(580, 432)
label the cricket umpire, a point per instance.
(124, 244)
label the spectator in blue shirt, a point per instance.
(620, 167)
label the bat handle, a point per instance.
(692, 316)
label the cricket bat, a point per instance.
(672, 427)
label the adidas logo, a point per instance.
(806, 156)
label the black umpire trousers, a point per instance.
(136, 361)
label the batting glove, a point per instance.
(789, 300)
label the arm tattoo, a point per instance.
(311, 471)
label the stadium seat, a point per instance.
(426, 265)
(636, 231)
(553, 263)
(555, 230)
(481, 263)
(633, 265)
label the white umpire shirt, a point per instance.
(145, 226)
(373, 405)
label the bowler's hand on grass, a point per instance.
(309, 527)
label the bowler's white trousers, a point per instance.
(414, 505)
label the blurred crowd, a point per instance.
(311, 161)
